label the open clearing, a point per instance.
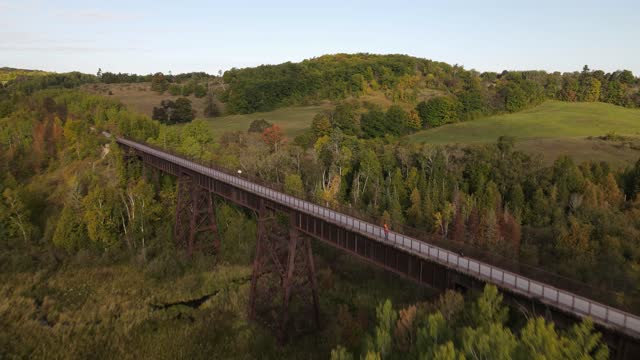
(140, 98)
(552, 129)
(293, 120)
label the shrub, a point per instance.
(258, 126)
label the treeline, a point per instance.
(19, 89)
(27, 82)
(26, 85)
(402, 78)
(119, 78)
(7, 74)
(195, 83)
(197, 86)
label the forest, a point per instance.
(468, 93)
(70, 202)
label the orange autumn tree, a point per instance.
(273, 137)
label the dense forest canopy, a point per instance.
(401, 78)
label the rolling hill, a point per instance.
(552, 129)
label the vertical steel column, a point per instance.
(195, 207)
(257, 260)
(283, 270)
(313, 281)
(156, 178)
(286, 285)
(192, 219)
(183, 210)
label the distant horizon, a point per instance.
(150, 36)
(215, 72)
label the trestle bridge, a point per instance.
(420, 261)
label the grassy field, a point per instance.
(293, 120)
(551, 129)
(139, 97)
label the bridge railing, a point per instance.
(461, 250)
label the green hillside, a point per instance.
(553, 128)
(552, 119)
(7, 74)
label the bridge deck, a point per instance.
(560, 299)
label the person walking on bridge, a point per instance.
(386, 231)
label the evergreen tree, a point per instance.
(212, 109)
(374, 124)
(320, 125)
(414, 213)
(159, 83)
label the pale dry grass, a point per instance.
(140, 98)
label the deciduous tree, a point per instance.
(273, 137)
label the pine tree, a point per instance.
(510, 231)
(488, 308)
(583, 342)
(516, 201)
(447, 352)
(414, 213)
(212, 109)
(397, 185)
(395, 211)
(320, 125)
(459, 218)
(539, 340)
(383, 339)
(611, 191)
(492, 341)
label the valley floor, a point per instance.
(168, 308)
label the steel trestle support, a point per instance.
(283, 274)
(195, 227)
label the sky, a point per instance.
(183, 36)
